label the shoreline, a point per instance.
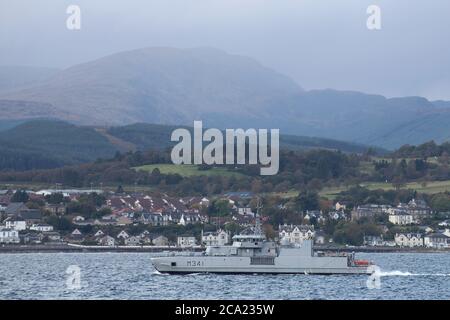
(72, 248)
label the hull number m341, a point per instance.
(194, 263)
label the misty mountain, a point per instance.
(14, 77)
(178, 86)
(160, 85)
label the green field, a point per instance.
(187, 170)
(430, 188)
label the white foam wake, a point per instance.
(399, 273)
(157, 273)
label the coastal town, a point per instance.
(107, 219)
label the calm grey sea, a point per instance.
(131, 276)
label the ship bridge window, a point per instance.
(173, 264)
(262, 260)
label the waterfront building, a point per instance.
(9, 236)
(218, 238)
(186, 241)
(408, 240)
(295, 234)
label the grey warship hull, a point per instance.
(289, 261)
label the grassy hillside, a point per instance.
(42, 144)
(153, 136)
(187, 170)
(431, 187)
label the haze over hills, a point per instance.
(16, 77)
(40, 144)
(178, 86)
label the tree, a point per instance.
(440, 202)
(20, 196)
(55, 198)
(308, 200)
(398, 183)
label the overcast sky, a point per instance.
(319, 43)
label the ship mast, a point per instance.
(258, 229)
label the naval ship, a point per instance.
(252, 253)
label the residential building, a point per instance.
(32, 238)
(374, 241)
(41, 227)
(15, 224)
(99, 233)
(57, 209)
(245, 211)
(337, 215)
(53, 236)
(31, 216)
(400, 217)
(340, 207)
(319, 237)
(295, 234)
(418, 208)
(107, 241)
(408, 240)
(133, 241)
(437, 240)
(154, 218)
(123, 235)
(369, 211)
(186, 241)
(218, 238)
(189, 219)
(160, 241)
(9, 236)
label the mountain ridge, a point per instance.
(177, 86)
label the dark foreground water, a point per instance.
(131, 276)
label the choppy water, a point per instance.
(131, 276)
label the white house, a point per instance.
(76, 232)
(133, 241)
(295, 234)
(400, 217)
(219, 238)
(15, 224)
(408, 240)
(340, 207)
(41, 227)
(445, 223)
(123, 235)
(245, 211)
(437, 240)
(99, 233)
(107, 241)
(186, 241)
(160, 241)
(9, 236)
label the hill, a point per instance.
(178, 86)
(49, 144)
(14, 77)
(40, 144)
(152, 136)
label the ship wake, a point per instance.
(398, 273)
